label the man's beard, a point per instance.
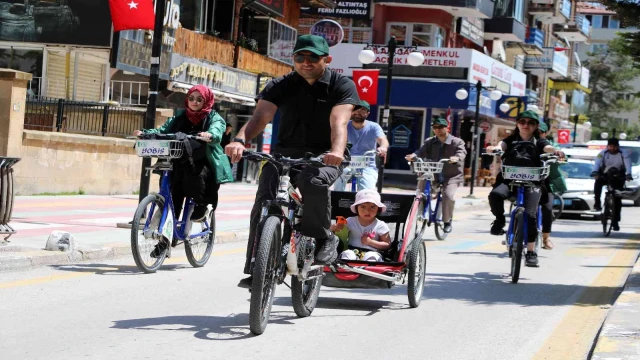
(358, 119)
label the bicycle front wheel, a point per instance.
(517, 247)
(264, 276)
(143, 244)
(199, 249)
(304, 295)
(420, 222)
(558, 206)
(607, 215)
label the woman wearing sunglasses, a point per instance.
(210, 166)
(522, 148)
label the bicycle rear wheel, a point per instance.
(199, 250)
(143, 245)
(558, 206)
(607, 215)
(517, 247)
(304, 295)
(438, 225)
(264, 276)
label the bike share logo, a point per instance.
(515, 173)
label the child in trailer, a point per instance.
(367, 234)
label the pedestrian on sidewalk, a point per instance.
(363, 135)
(198, 177)
(442, 146)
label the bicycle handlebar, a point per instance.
(417, 159)
(153, 136)
(283, 160)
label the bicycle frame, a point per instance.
(518, 204)
(168, 226)
(427, 212)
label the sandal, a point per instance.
(547, 244)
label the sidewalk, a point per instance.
(93, 221)
(619, 337)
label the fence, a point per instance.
(79, 117)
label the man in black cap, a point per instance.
(610, 161)
(444, 146)
(315, 105)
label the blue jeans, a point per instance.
(367, 181)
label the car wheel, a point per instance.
(636, 203)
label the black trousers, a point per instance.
(546, 201)
(532, 195)
(597, 191)
(199, 184)
(313, 184)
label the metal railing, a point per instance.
(79, 117)
(583, 24)
(129, 92)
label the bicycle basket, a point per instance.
(162, 149)
(426, 168)
(525, 173)
(361, 162)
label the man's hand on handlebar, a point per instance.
(234, 151)
(559, 153)
(410, 157)
(594, 174)
(454, 159)
(629, 177)
(333, 159)
(382, 151)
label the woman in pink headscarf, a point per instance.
(210, 165)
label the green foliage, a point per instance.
(611, 73)
(628, 11)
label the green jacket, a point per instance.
(556, 179)
(215, 154)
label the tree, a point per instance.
(611, 73)
(629, 13)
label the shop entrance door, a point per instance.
(406, 134)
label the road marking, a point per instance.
(575, 333)
(41, 280)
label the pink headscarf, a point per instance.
(197, 116)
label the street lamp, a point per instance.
(605, 135)
(576, 117)
(462, 94)
(367, 56)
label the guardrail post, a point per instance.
(59, 114)
(105, 119)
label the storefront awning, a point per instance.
(220, 95)
(568, 85)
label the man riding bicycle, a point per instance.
(441, 146)
(608, 160)
(315, 104)
(363, 135)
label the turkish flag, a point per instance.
(563, 136)
(367, 85)
(132, 14)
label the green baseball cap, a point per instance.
(365, 105)
(313, 43)
(529, 114)
(543, 127)
(440, 121)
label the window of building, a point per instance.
(356, 31)
(509, 8)
(274, 39)
(597, 22)
(614, 23)
(410, 34)
(214, 17)
(26, 60)
(605, 21)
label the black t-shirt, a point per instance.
(305, 110)
(511, 140)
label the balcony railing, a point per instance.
(583, 24)
(203, 46)
(535, 37)
(566, 8)
(260, 64)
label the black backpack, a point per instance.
(523, 153)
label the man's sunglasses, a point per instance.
(525, 122)
(313, 58)
(439, 127)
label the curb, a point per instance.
(619, 337)
(21, 258)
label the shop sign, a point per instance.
(270, 7)
(134, 46)
(560, 63)
(330, 30)
(193, 71)
(485, 126)
(551, 59)
(558, 110)
(494, 73)
(584, 77)
(400, 137)
(263, 81)
(343, 9)
(563, 136)
(472, 29)
(266, 138)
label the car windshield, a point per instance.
(634, 154)
(576, 170)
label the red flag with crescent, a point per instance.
(367, 84)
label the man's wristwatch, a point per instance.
(241, 141)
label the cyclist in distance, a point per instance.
(441, 146)
(522, 148)
(315, 105)
(611, 158)
(197, 176)
(363, 135)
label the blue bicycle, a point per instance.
(357, 164)
(517, 233)
(154, 228)
(429, 213)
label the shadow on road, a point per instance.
(232, 327)
(371, 307)
(106, 269)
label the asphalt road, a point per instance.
(470, 309)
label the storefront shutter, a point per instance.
(56, 83)
(90, 82)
